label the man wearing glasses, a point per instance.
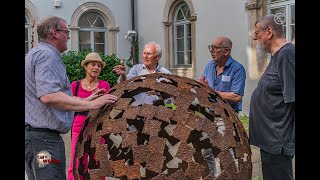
(227, 77)
(272, 106)
(49, 102)
(224, 74)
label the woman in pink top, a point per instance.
(88, 88)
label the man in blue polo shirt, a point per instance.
(224, 74)
(227, 77)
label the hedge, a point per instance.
(72, 61)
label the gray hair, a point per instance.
(158, 48)
(46, 25)
(225, 42)
(270, 21)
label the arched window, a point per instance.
(182, 37)
(92, 32)
(286, 8)
(27, 34)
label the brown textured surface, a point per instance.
(133, 172)
(121, 139)
(151, 127)
(185, 152)
(177, 175)
(181, 132)
(118, 168)
(129, 139)
(194, 171)
(140, 153)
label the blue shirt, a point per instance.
(232, 79)
(141, 69)
(45, 73)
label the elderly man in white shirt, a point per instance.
(151, 55)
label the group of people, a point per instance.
(53, 105)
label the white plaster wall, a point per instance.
(149, 23)
(121, 10)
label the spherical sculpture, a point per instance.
(163, 127)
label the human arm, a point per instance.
(236, 89)
(206, 78)
(287, 75)
(64, 102)
(121, 70)
(230, 96)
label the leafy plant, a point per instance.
(72, 61)
(256, 178)
(244, 119)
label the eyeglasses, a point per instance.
(148, 53)
(216, 48)
(65, 31)
(257, 32)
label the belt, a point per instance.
(29, 128)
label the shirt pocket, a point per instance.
(226, 83)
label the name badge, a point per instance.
(225, 78)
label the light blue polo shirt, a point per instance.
(141, 69)
(45, 73)
(232, 79)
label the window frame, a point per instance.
(27, 27)
(93, 30)
(287, 5)
(185, 24)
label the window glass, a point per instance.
(272, 1)
(180, 31)
(180, 15)
(287, 8)
(180, 57)
(99, 41)
(84, 40)
(26, 34)
(92, 32)
(182, 37)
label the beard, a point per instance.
(262, 54)
(261, 49)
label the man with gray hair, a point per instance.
(272, 106)
(151, 55)
(49, 102)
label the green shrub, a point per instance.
(72, 61)
(244, 119)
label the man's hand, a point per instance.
(120, 69)
(203, 80)
(103, 100)
(96, 92)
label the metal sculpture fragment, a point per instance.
(163, 127)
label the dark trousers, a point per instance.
(39, 146)
(276, 167)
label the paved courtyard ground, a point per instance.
(256, 162)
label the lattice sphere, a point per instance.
(163, 127)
